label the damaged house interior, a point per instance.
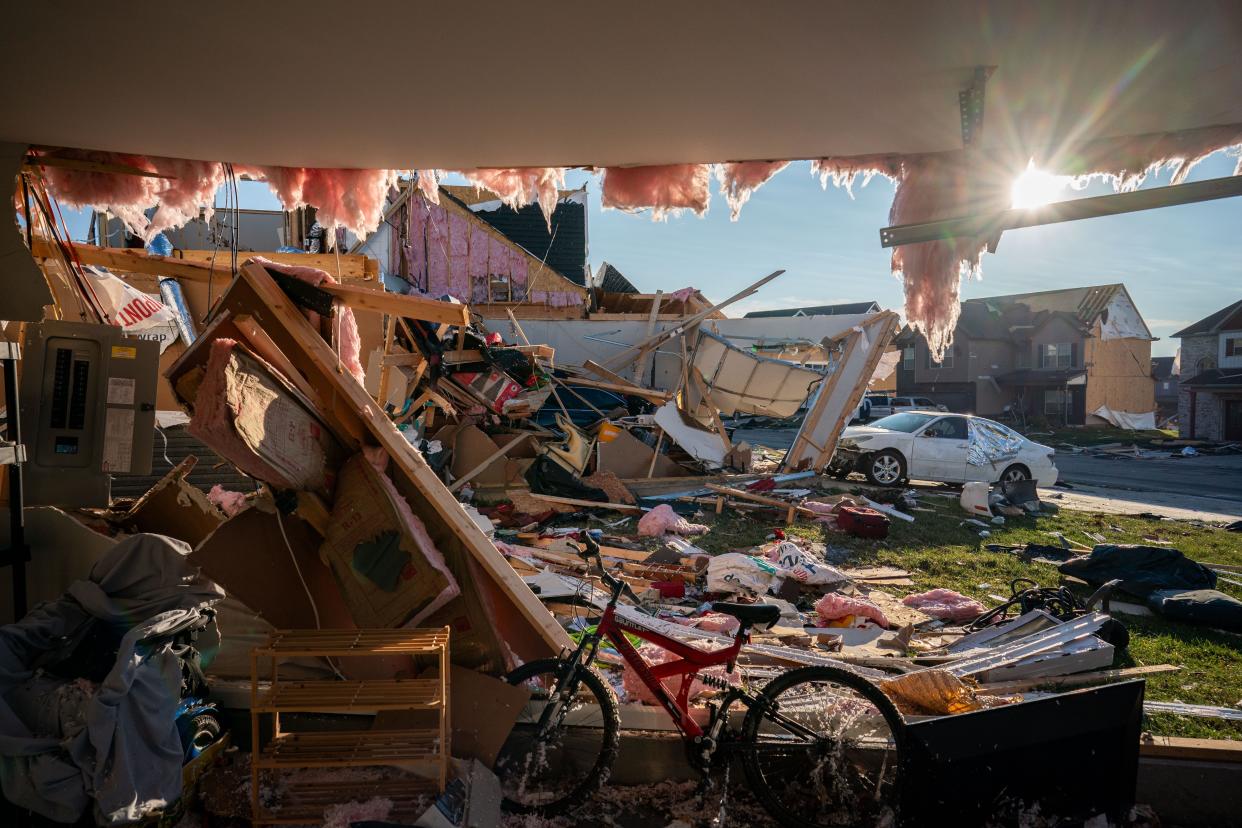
(397, 505)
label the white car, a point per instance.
(951, 448)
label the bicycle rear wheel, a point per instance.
(564, 742)
(820, 748)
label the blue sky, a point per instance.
(1179, 263)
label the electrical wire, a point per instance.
(297, 568)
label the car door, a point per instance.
(940, 450)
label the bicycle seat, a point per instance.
(750, 614)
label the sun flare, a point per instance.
(1035, 187)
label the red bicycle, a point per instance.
(819, 745)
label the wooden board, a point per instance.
(351, 265)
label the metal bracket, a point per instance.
(970, 103)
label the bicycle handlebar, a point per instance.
(615, 585)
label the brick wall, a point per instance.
(1209, 411)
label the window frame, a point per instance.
(1060, 410)
(1056, 359)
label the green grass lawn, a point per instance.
(1097, 436)
(938, 552)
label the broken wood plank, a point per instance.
(633, 390)
(1076, 680)
(609, 376)
(345, 266)
(527, 627)
(572, 501)
(741, 494)
(491, 458)
(1179, 747)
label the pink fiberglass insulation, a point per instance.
(834, 606)
(429, 186)
(663, 519)
(188, 187)
(739, 180)
(929, 187)
(378, 459)
(945, 604)
(662, 188)
(636, 691)
(228, 502)
(353, 199)
(213, 420)
(349, 343)
(682, 295)
(716, 622)
(459, 252)
(477, 265)
(1126, 162)
(518, 186)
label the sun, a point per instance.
(1035, 187)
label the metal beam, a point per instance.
(991, 225)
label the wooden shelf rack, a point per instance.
(422, 750)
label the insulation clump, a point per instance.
(661, 187)
(835, 606)
(739, 181)
(945, 604)
(518, 186)
(662, 519)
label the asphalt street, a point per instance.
(1207, 485)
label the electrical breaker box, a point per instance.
(88, 411)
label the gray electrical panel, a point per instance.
(88, 411)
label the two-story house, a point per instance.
(1078, 356)
(1210, 396)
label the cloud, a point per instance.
(1168, 323)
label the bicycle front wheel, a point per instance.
(820, 748)
(564, 742)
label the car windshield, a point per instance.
(907, 422)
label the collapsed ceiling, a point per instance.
(391, 84)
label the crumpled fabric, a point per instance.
(663, 519)
(805, 567)
(128, 757)
(834, 605)
(945, 604)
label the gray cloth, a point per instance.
(128, 757)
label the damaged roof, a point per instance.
(844, 309)
(1226, 319)
(611, 280)
(563, 248)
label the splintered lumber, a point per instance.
(633, 390)
(351, 265)
(491, 458)
(652, 342)
(590, 504)
(358, 298)
(742, 494)
(1177, 747)
(494, 600)
(608, 376)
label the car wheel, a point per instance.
(886, 468)
(1015, 474)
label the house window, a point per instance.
(907, 359)
(1056, 355)
(1055, 400)
(1233, 346)
(946, 362)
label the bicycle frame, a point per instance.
(689, 662)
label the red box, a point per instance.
(862, 522)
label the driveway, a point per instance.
(1188, 488)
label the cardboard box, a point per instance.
(377, 555)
